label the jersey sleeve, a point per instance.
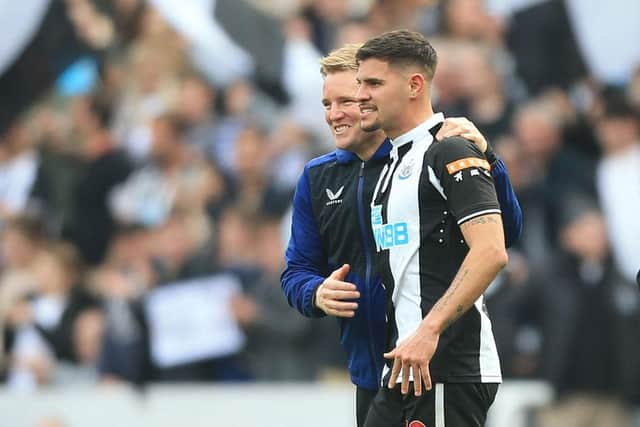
(306, 261)
(465, 179)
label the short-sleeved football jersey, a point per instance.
(424, 193)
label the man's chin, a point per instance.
(369, 125)
(343, 141)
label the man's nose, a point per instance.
(335, 113)
(362, 94)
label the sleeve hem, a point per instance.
(309, 292)
(479, 213)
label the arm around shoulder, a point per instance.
(509, 205)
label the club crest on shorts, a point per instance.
(415, 424)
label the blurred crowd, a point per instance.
(144, 215)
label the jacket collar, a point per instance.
(345, 156)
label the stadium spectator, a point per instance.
(588, 374)
(618, 178)
(90, 224)
(569, 134)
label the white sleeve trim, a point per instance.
(475, 214)
(433, 179)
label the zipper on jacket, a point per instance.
(367, 254)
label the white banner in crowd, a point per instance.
(192, 320)
(19, 21)
(608, 34)
(225, 60)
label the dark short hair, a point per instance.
(616, 105)
(401, 47)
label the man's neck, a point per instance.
(413, 118)
(370, 146)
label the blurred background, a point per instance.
(148, 156)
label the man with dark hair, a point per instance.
(329, 264)
(439, 242)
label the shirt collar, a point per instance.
(418, 132)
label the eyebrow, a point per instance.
(372, 80)
(340, 99)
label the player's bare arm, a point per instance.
(486, 257)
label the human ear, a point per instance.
(416, 84)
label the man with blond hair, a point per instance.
(329, 258)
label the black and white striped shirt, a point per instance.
(422, 196)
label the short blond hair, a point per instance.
(342, 59)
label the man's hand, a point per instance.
(413, 355)
(462, 127)
(333, 295)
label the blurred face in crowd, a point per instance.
(537, 133)
(51, 275)
(586, 237)
(196, 100)
(617, 133)
(354, 32)
(479, 77)
(147, 70)
(250, 153)
(511, 154)
(468, 19)
(448, 81)
(17, 249)
(331, 10)
(238, 98)
(270, 247)
(236, 236)
(383, 95)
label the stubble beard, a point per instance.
(376, 125)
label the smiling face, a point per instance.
(342, 113)
(395, 71)
(382, 95)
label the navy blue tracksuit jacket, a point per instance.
(331, 227)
